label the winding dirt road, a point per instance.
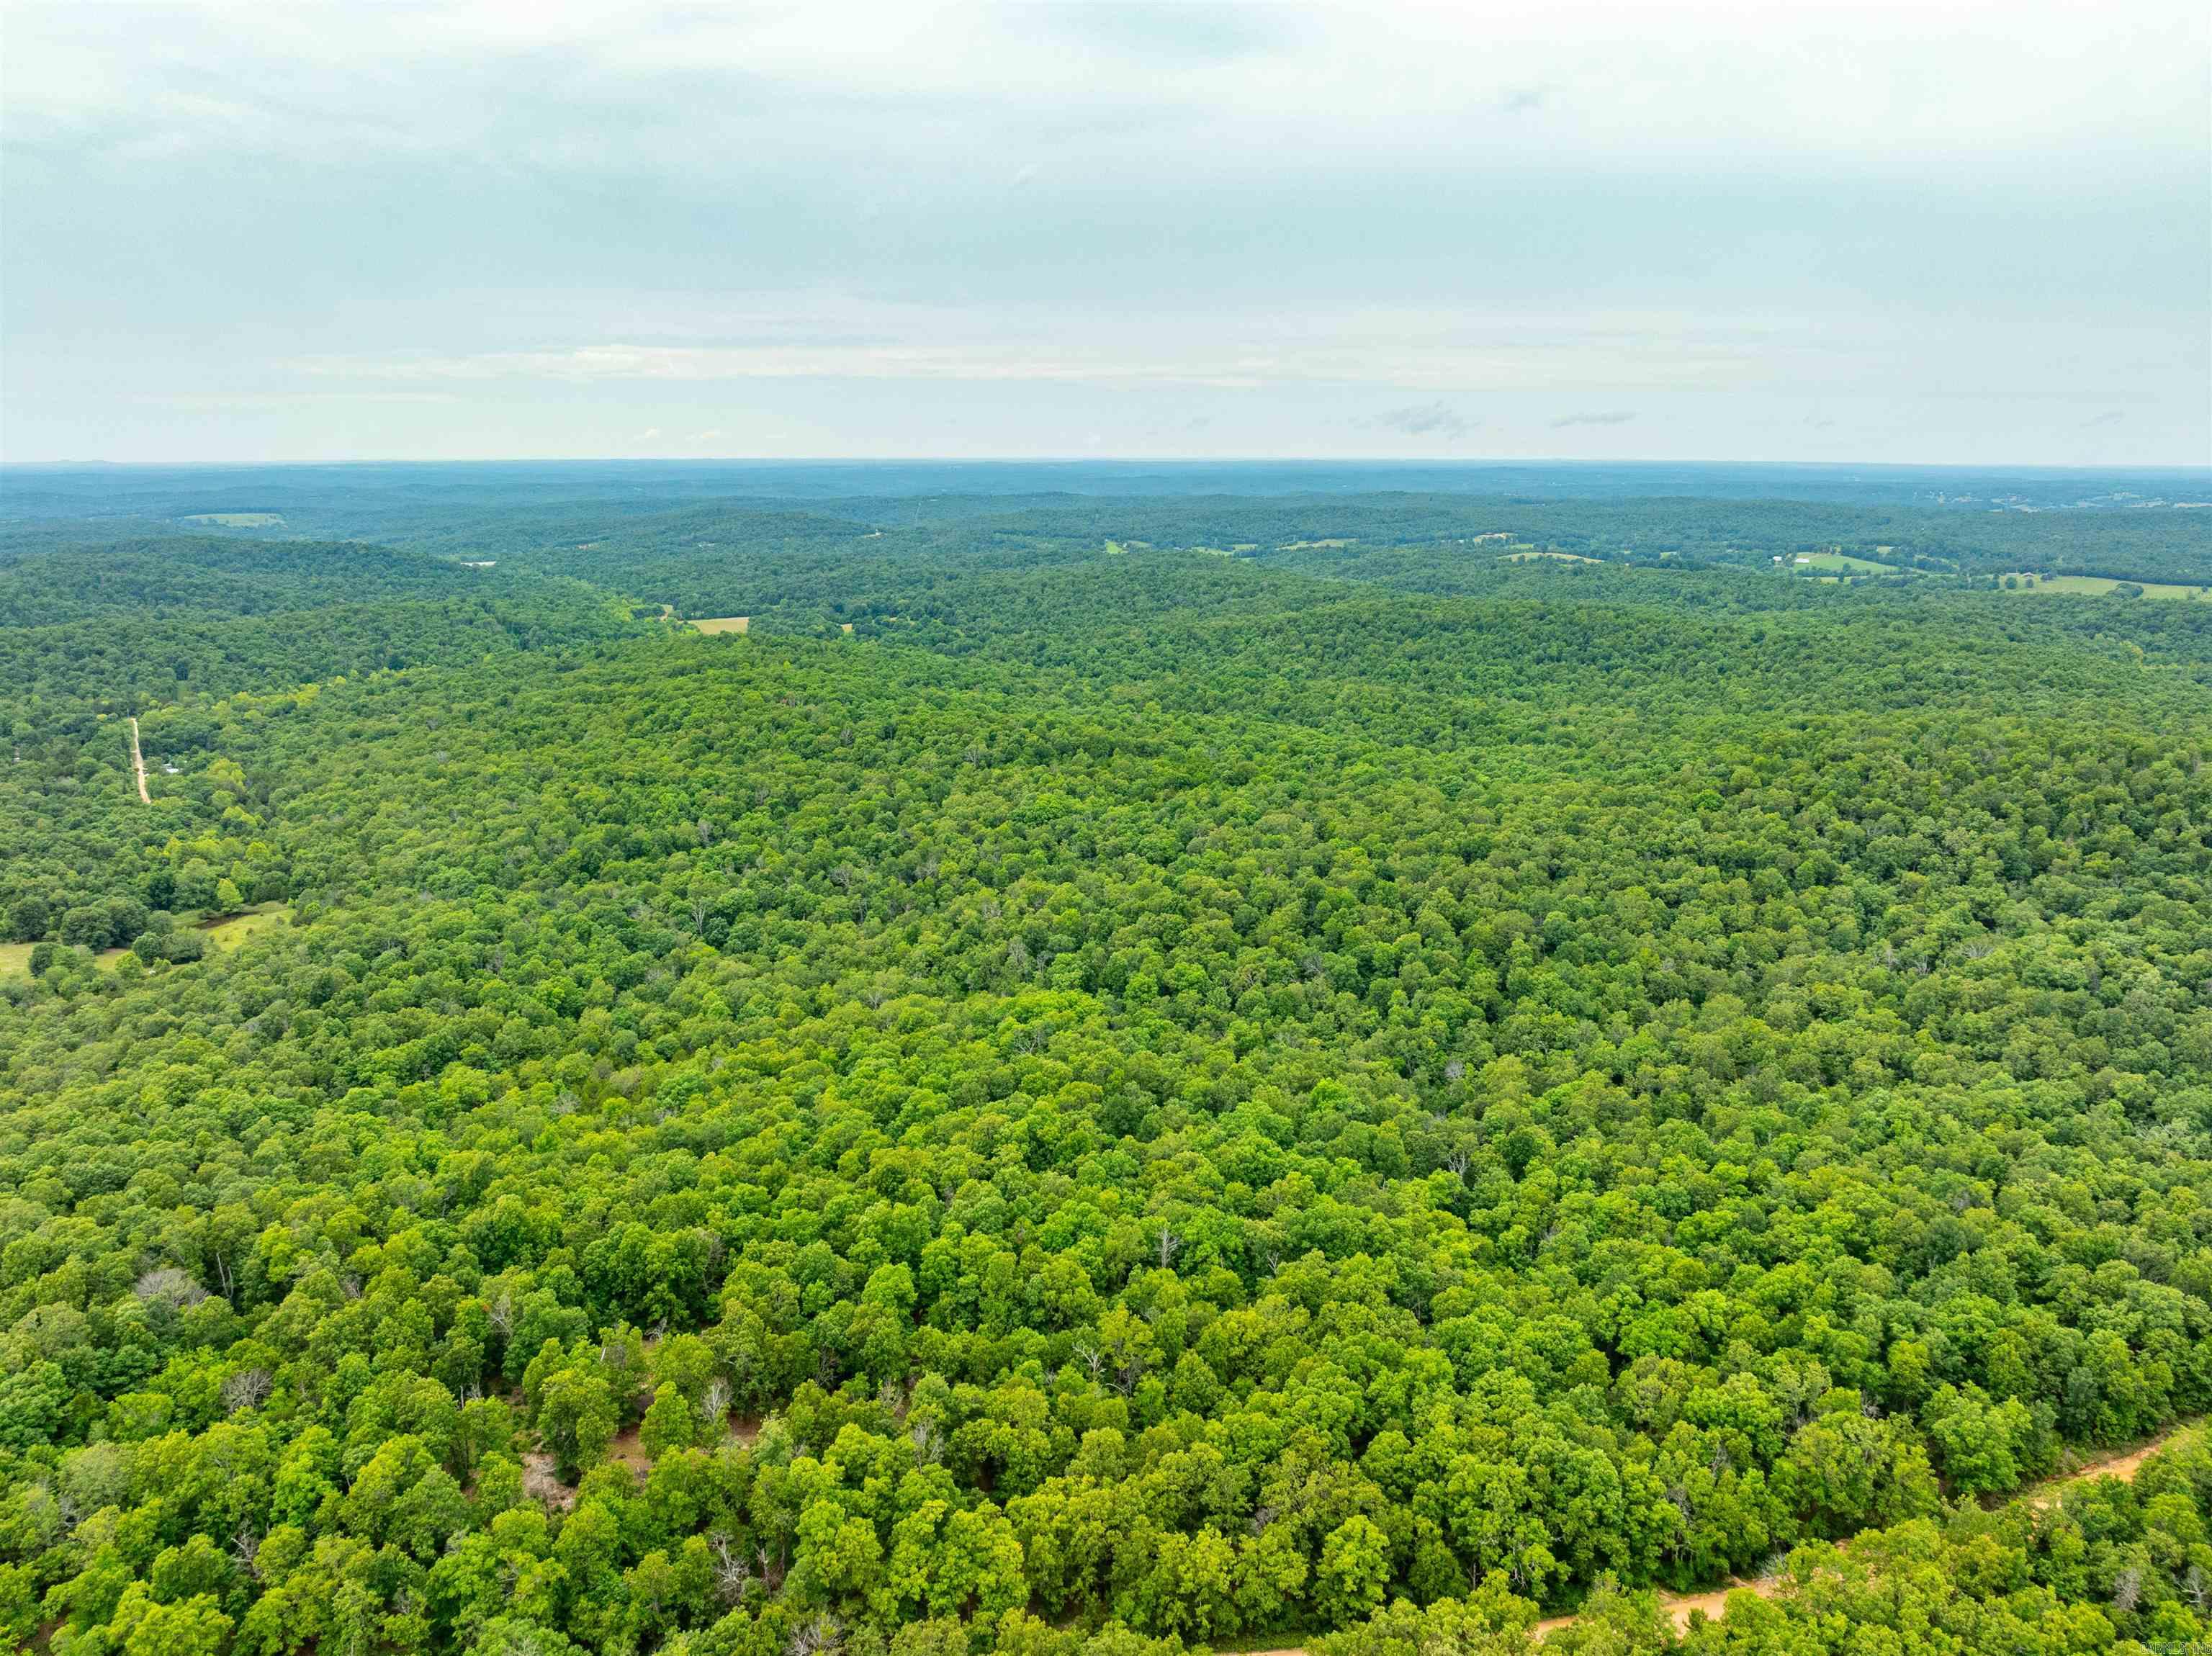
(2123, 1465)
(138, 764)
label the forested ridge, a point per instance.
(1139, 1098)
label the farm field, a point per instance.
(2100, 586)
(1842, 563)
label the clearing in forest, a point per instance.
(724, 624)
(16, 958)
(1842, 563)
(2097, 586)
(229, 931)
(237, 519)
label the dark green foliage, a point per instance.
(218, 618)
(1138, 1099)
(160, 578)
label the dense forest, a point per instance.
(2135, 546)
(1358, 1097)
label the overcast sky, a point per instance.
(1917, 233)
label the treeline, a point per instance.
(2161, 545)
(202, 576)
(1152, 1119)
(61, 677)
(167, 629)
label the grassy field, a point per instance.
(15, 959)
(238, 520)
(234, 929)
(724, 624)
(226, 933)
(2097, 586)
(1842, 563)
(1564, 557)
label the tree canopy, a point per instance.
(1139, 1098)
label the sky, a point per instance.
(1934, 233)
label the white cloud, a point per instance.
(1589, 205)
(827, 336)
(1436, 419)
(1196, 86)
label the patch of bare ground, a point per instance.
(138, 764)
(541, 1482)
(2122, 1463)
(1681, 1606)
(626, 1448)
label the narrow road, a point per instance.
(138, 764)
(2121, 1465)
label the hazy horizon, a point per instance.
(1965, 235)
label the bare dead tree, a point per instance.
(247, 1389)
(170, 1285)
(714, 1403)
(732, 1569)
(928, 1440)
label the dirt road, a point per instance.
(1678, 1606)
(138, 764)
(2123, 1465)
